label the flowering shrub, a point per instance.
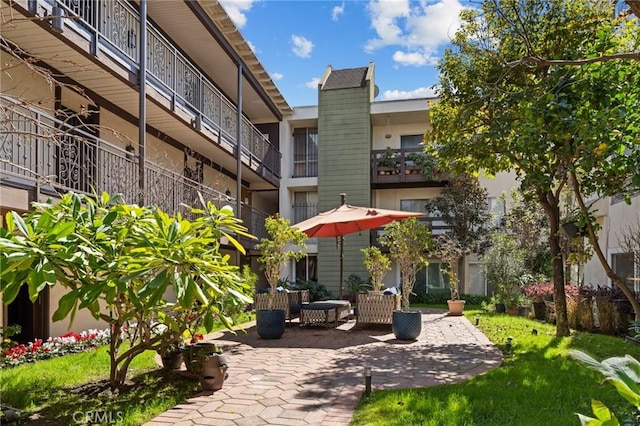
(54, 346)
(545, 290)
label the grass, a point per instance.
(72, 388)
(538, 383)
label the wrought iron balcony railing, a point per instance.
(113, 27)
(38, 149)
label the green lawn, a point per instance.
(73, 389)
(537, 385)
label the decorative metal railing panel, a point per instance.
(120, 24)
(37, 148)
(161, 62)
(117, 24)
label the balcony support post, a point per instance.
(239, 154)
(142, 81)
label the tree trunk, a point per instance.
(595, 244)
(550, 203)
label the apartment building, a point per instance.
(351, 143)
(79, 81)
(372, 151)
(74, 77)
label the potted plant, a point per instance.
(171, 355)
(538, 293)
(503, 265)
(206, 361)
(274, 252)
(450, 251)
(388, 162)
(422, 163)
(408, 241)
(463, 206)
(377, 264)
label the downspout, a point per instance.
(239, 156)
(142, 119)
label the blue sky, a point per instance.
(295, 40)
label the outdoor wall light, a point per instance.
(196, 122)
(131, 152)
(57, 23)
(367, 380)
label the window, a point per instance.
(476, 282)
(496, 208)
(437, 225)
(305, 152)
(411, 141)
(432, 279)
(306, 269)
(305, 205)
(623, 265)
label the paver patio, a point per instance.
(315, 376)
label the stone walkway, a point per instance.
(314, 376)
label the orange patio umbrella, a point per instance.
(347, 219)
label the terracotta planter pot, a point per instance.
(513, 310)
(456, 307)
(214, 372)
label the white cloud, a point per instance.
(277, 76)
(236, 10)
(417, 59)
(422, 92)
(313, 83)
(301, 46)
(337, 11)
(419, 30)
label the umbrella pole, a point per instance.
(341, 262)
(343, 198)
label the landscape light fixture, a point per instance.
(367, 380)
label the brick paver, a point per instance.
(315, 376)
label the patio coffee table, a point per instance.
(325, 313)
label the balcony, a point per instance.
(435, 224)
(409, 167)
(112, 28)
(38, 150)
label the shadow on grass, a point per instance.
(140, 399)
(537, 384)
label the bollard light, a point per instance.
(508, 345)
(367, 380)
(477, 319)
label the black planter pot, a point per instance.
(270, 323)
(406, 325)
(539, 310)
(500, 308)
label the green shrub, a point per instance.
(317, 291)
(357, 284)
(441, 298)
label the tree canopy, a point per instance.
(556, 126)
(149, 275)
